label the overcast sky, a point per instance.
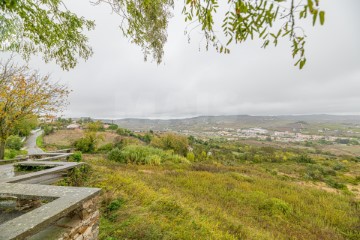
(117, 83)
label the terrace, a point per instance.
(32, 209)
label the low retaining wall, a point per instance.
(81, 224)
(69, 213)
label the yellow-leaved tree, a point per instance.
(25, 93)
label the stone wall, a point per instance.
(81, 224)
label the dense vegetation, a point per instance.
(173, 187)
(213, 201)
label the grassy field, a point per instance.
(342, 149)
(65, 138)
(155, 188)
(213, 201)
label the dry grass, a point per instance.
(340, 149)
(67, 137)
(216, 202)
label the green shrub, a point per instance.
(76, 176)
(174, 158)
(190, 156)
(303, 159)
(319, 173)
(315, 173)
(115, 155)
(332, 183)
(76, 157)
(88, 143)
(153, 160)
(275, 206)
(14, 143)
(342, 141)
(106, 148)
(84, 145)
(145, 138)
(124, 132)
(48, 129)
(339, 167)
(95, 126)
(115, 205)
(11, 154)
(138, 154)
(170, 141)
(113, 127)
(121, 142)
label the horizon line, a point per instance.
(222, 115)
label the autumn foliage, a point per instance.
(25, 93)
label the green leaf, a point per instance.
(302, 63)
(262, 33)
(322, 17)
(315, 16)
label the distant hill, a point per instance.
(203, 123)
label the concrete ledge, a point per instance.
(18, 159)
(56, 168)
(64, 201)
(67, 199)
(67, 150)
(49, 156)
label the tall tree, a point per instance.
(24, 94)
(30, 26)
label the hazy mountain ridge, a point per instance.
(234, 121)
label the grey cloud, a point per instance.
(117, 83)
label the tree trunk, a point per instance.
(2, 149)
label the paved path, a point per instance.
(30, 144)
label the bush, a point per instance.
(342, 141)
(95, 126)
(115, 205)
(48, 129)
(190, 156)
(113, 127)
(76, 157)
(275, 206)
(106, 148)
(332, 183)
(145, 138)
(10, 154)
(84, 145)
(153, 160)
(315, 173)
(170, 141)
(88, 143)
(138, 154)
(115, 155)
(76, 176)
(339, 167)
(303, 159)
(124, 132)
(121, 142)
(14, 143)
(318, 173)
